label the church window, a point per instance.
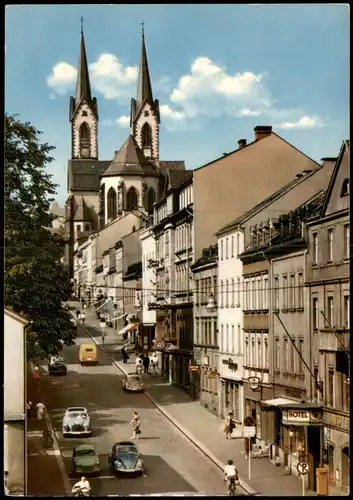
(84, 113)
(151, 198)
(131, 199)
(112, 204)
(85, 140)
(146, 134)
(345, 187)
(146, 113)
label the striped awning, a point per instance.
(129, 328)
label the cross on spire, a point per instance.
(81, 19)
(142, 28)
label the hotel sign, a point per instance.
(336, 420)
(299, 417)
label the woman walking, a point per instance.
(229, 425)
(135, 422)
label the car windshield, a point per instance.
(75, 414)
(57, 360)
(85, 453)
(134, 378)
(126, 449)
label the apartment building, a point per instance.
(329, 298)
(148, 290)
(205, 381)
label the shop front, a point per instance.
(336, 448)
(146, 336)
(253, 408)
(231, 387)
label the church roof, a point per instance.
(144, 88)
(83, 87)
(130, 160)
(84, 175)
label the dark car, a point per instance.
(85, 460)
(125, 459)
(57, 366)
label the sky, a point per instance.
(217, 70)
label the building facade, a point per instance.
(148, 289)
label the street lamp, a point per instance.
(211, 304)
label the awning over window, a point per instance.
(129, 328)
(279, 402)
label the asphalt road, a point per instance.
(172, 463)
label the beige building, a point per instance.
(231, 185)
(328, 285)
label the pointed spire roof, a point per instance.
(83, 87)
(144, 88)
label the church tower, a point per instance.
(144, 114)
(83, 113)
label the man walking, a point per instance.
(146, 363)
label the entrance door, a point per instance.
(314, 446)
(345, 467)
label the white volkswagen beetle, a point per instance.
(76, 422)
(133, 383)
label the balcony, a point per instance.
(328, 341)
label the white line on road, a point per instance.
(98, 477)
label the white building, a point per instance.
(15, 401)
(148, 288)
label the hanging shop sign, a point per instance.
(193, 368)
(254, 383)
(299, 417)
(159, 345)
(211, 374)
(231, 364)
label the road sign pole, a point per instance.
(249, 457)
(303, 484)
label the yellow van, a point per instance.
(88, 354)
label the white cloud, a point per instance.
(108, 77)
(248, 112)
(107, 123)
(123, 121)
(303, 122)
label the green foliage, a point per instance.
(35, 281)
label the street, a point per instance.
(172, 463)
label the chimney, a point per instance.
(262, 131)
(241, 143)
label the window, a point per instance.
(285, 292)
(166, 244)
(238, 292)
(78, 228)
(278, 354)
(151, 198)
(232, 341)
(315, 248)
(291, 358)
(239, 339)
(247, 296)
(300, 356)
(346, 241)
(215, 332)
(260, 294)
(87, 227)
(85, 140)
(266, 353)
(265, 293)
(112, 204)
(315, 313)
(276, 293)
(227, 293)
(292, 292)
(285, 355)
(345, 187)
(253, 359)
(346, 311)
(238, 244)
(131, 199)
(197, 333)
(226, 248)
(330, 317)
(146, 136)
(253, 299)
(197, 289)
(205, 338)
(330, 387)
(259, 361)
(232, 246)
(84, 113)
(316, 378)
(233, 292)
(300, 291)
(247, 363)
(227, 338)
(330, 245)
(222, 297)
(221, 249)
(222, 339)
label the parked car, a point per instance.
(133, 383)
(85, 460)
(125, 458)
(76, 422)
(57, 366)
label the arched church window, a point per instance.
(112, 204)
(131, 199)
(146, 133)
(151, 198)
(345, 187)
(84, 140)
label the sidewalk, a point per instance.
(44, 474)
(205, 430)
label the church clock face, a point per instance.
(85, 152)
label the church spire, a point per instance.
(83, 87)
(144, 89)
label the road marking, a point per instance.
(99, 477)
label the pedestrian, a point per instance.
(135, 422)
(83, 317)
(154, 362)
(124, 355)
(83, 302)
(229, 425)
(36, 374)
(139, 365)
(40, 411)
(78, 314)
(29, 409)
(6, 476)
(146, 363)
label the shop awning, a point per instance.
(128, 328)
(279, 402)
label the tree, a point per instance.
(35, 281)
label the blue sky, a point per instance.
(218, 71)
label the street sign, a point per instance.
(249, 432)
(193, 368)
(303, 467)
(254, 383)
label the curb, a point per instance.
(176, 424)
(57, 451)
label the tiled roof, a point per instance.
(177, 177)
(84, 175)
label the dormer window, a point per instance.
(345, 188)
(146, 113)
(84, 113)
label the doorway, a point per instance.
(345, 468)
(314, 448)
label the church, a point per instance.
(113, 196)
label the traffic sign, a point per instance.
(249, 432)
(303, 467)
